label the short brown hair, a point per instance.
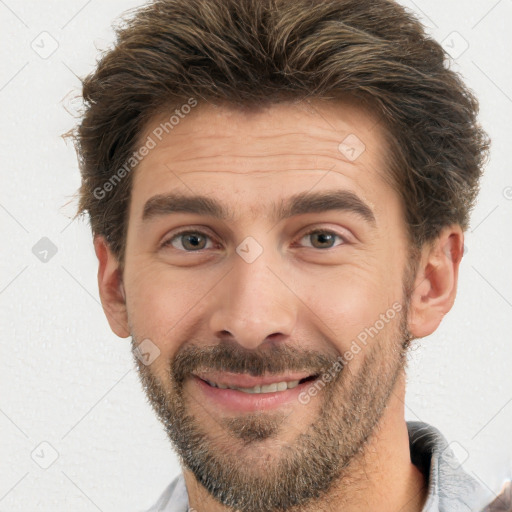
(258, 52)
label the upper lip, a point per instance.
(244, 380)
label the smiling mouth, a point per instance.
(272, 387)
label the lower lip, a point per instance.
(238, 401)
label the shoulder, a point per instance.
(174, 498)
(503, 502)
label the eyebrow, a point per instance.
(299, 204)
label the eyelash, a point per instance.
(168, 242)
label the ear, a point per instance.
(435, 285)
(111, 288)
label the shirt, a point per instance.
(450, 488)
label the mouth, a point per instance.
(273, 387)
(244, 393)
(251, 384)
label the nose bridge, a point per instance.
(253, 304)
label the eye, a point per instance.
(322, 239)
(196, 241)
(188, 241)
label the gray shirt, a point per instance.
(450, 488)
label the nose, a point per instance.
(253, 305)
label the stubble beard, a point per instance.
(241, 468)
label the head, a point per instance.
(276, 188)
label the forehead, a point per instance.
(253, 158)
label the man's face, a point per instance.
(255, 298)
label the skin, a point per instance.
(295, 306)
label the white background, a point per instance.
(68, 381)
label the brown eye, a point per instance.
(322, 239)
(188, 241)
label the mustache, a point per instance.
(229, 357)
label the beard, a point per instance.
(234, 464)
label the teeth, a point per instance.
(268, 388)
(281, 386)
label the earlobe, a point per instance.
(435, 286)
(111, 288)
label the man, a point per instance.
(278, 192)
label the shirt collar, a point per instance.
(450, 488)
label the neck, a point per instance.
(381, 478)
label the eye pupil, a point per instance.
(193, 241)
(323, 238)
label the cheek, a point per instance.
(345, 303)
(161, 304)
